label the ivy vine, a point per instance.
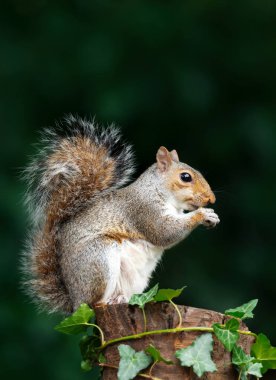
(196, 356)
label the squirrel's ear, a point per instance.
(163, 158)
(174, 155)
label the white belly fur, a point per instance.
(131, 267)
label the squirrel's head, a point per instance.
(188, 188)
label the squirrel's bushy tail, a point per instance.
(77, 160)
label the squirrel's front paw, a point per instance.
(210, 218)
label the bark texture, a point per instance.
(122, 319)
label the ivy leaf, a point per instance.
(86, 365)
(143, 298)
(198, 355)
(264, 352)
(101, 358)
(156, 355)
(168, 294)
(77, 322)
(239, 357)
(232, 324)
(251, 369)
(244, 311)
(227, 334)
(131, 362)
(254, 369)
(245, 363)
(89, 350)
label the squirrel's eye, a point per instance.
(186, 177)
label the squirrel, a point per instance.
(94, 240)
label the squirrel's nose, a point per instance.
(212, 198)
(209, 198)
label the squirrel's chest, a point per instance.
(137, 262)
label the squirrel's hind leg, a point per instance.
(91, 272)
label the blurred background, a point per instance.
(196, 76)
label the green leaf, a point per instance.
(264, 352)
(251, 369)
(86, 365)
(143, 298)
(254, 369)
(89, 348)
(227, 334)
(102, 358)
(244, 311)
(239, 357)
(131, 362)
(167, 294)
(156, 355)
(245, 363)
(77, 322)
(232, 324)
(198, 355)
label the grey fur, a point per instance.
(139, 207)
(43, 177)
(90, 259)
(40, 175)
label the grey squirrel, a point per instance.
(92, 239)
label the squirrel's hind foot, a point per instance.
(118, 299)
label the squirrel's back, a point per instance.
(77, 160)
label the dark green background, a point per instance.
(197, 76)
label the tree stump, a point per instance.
(122, 320)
